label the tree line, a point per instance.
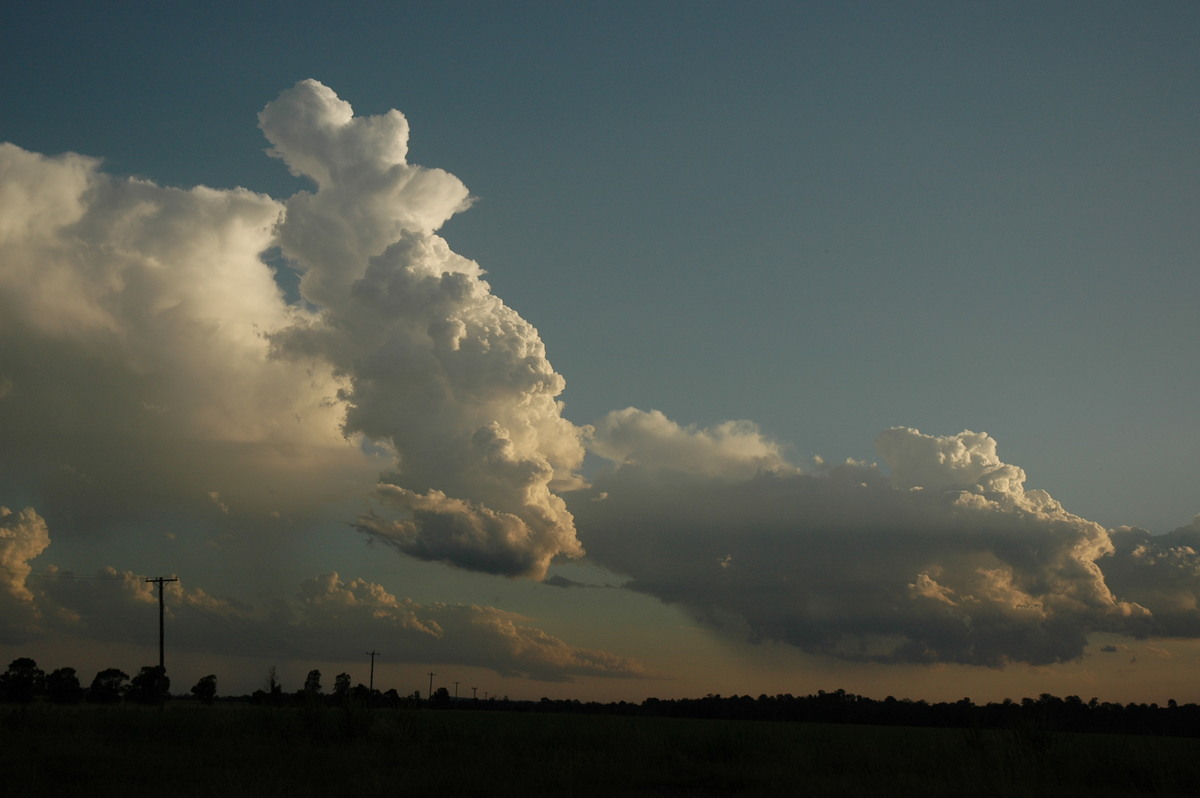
(25, 682)
(1046, 713)
(313, 693)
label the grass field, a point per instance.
(195, 750)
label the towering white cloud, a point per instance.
(148, 358)
(23, 536)
(368, 194)
(948, 559)
(135, 369)
(452, 380)
(955, 462)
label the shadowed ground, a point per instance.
(319, 751)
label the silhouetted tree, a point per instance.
(273, 694)
(62, 687)
(341, 686)
(312, 683)
(108, 686)
(206, 688)
(22, 681)
(150, 686)
(440, 697)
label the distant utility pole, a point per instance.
(474, 695)
(431, 675)
(456, 690)
(371, 684)
(159, 581)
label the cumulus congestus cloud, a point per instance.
(134, 370)
(947, 559)
(437, 368)
(23, 536)
(149, 360)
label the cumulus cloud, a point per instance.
(132, 352)
(733, 448)
(23, 536)
(1161, 572)
(947, 558)
(465, 535)
(336, 612)
(149, 361)
(954, 462)
(437, 367)
(110, 605)
(328, 618)
(367, 196)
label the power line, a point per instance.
(65, 574)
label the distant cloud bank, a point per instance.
(945, 556)
(327, 617)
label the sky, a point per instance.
(604, 350)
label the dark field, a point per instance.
(189, 749)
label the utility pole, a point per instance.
(474, 695)
(159, 581)
(456, 691)
(371, 684)
(431, 675)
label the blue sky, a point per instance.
(824, 219)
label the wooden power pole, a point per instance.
(371, 683)
(159, 581)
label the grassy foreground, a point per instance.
(192, 750)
